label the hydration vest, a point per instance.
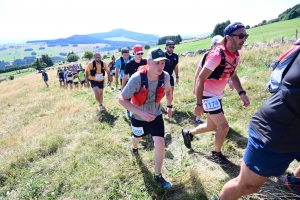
(217, 73)
(281, 66)
(140, 97)
(93, 71)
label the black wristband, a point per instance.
(242, 92)
(170, 106)
(177, 76)
(198, 104)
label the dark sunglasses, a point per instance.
(140, 53)
(171, 47)
(241, 36)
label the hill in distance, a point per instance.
(113, 39)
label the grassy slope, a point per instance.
(54, 143)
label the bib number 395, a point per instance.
(138, 131)
(211, 104)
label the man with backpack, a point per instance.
(146, 88)
(274, 139)
(172, 63)
(120, 65)
(220, 65)
(95, 72)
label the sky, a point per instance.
(22, 20)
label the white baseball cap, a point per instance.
(216, 39)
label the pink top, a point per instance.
(213, 59)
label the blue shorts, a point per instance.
(264, 160)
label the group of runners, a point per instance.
(274, 139)
(70, 76)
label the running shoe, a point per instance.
(199, 121)
(162, 182)
(292, 187)
(187, 138)
(220, 159)
(134, 152)
(101, 108)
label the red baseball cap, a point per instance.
(138, 48)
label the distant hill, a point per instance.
(113, 39)
(290, 13)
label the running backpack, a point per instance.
(140, 97)
(281, 66)
(217, 73)
(93, 71)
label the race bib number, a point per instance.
(138, 131)
(99, 76)
(211, 104)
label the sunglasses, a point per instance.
(140, 53)
(171, 47)
(241, 36)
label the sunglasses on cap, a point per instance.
(241, 36)
(141, 53)
(171, 47)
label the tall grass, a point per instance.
(55, 144)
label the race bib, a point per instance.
(99, 76)
(113, 71)
(211, 104)
(138, 131)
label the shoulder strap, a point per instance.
(102, 68)
(144, 80)
(94, 65)
(161, 80)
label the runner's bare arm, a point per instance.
(204, 74)
(176, 73)
(238, 86)
(168, 93)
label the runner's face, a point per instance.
(237, 43)
(170, 49)
(125, 56)
(97, 57)
(158, 66)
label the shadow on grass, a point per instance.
(106, 117)
(181, 116)
(238, 138)
(148, 144)
(179, 191)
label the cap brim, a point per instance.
(139, 51)
(161, 58)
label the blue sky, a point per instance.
(22, 20)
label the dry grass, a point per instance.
(55, 145)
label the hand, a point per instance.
(177, 80)
(108, 83)
(199, 111)
(169, 113)
(245, 100)
(87, 84)
(147, 116)
(230, 86)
